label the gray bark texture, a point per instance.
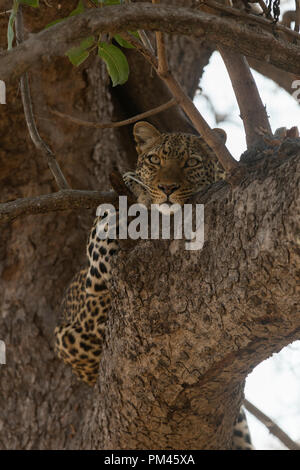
(186, 327)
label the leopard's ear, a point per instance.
(145, 136)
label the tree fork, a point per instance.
(186, 356)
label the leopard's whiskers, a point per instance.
(129, 175)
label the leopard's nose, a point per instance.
(168, 189)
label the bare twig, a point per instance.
(163, 67)
(68, 199)
(29, 117)
(252, 110)
(272, 427)
(224, 156)
(211, 138)
(106, 125)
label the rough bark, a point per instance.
(255, 40)
(43, 405)
(188, 327)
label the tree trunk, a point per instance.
(188, 326)
(43, 404)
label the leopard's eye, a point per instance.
(154, 159)
(192, 162)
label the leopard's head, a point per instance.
(171, 168)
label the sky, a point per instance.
(274, 385)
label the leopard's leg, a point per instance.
(79, 342)
(79, 349)
(241, 435)
(99, 253)
(87, 303)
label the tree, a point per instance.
(184, 334)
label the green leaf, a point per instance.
(123, 43)
(31, 3)
(116, 63)
(11, 21)
(79, 54)
(87, 42)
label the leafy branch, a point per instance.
(114, 58)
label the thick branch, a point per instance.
(252, 110)
(239, 35)
(208, 317)
(62, 200)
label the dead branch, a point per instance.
(252, 111)
(68, 199)
(29, 117)
(239, 35)
(272, 427)
(125, 122)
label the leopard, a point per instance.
(171, 168)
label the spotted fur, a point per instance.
(241, 439)
(170, 169)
